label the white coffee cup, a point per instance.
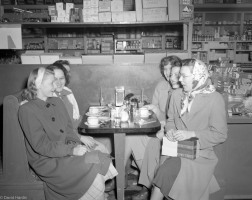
(144, 112)
(93, 121)
(93, 110)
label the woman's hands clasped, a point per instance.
(179, 135)
(80, 150)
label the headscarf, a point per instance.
(201, 85)
(40, 76)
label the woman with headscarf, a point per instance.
(69, 169)
(196, 111)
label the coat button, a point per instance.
(61, 131)
(53, 119)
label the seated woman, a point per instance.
(57, 155)
(145, 149)
(196, 110)
(66, 95)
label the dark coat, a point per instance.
(47, 128)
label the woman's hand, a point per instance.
(88, 141)
(169, 135)
(180, 135)
(79, 150)
(160, 134)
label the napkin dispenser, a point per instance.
(119, 95)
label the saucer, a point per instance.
(145, 116)
(92, 126)
(94, 115)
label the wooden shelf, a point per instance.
(222, 7)
(98, 24)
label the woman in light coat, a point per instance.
(196, 110)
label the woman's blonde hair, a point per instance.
(30, 92)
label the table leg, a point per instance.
(119, 142)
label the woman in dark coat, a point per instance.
(68, 168)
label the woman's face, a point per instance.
(174, 77)
(186, 78)
(60, 80)
(167, 71)
(46, 88)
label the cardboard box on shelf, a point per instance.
(186, 11)
(117, 16)
(139, 10)
(155, 14)
(116, 5)
(129, 16)
(173, 10)
(97, 59)
(59, 6)
(154, 3)
(90, 18)
(104, 6)
(105, 17)
(90, 11)
(61, 13)
(49, 58)
(69, 6)
(30, 59)
(132, 58)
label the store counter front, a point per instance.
(235, 160)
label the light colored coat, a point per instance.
(207, 118)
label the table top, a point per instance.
(152, 125)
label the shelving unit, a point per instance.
(73, 39)
(222, 30)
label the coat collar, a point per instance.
(44, 104)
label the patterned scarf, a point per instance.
(201, 85)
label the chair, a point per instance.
(17, 178)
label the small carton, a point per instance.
(129, 16)
(49, 58)
(104, 6)
(154, 3)
(30, 59)
(59, 6)
(105, 17)
(173, 10)
(117, 16)
(139, 10)
(69, 6)
(116, 5)
(155, 14)
(61, 13)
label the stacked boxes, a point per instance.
(58, 14)
(90, 11)
(155, 10)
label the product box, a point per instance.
(153, 57)
(186, 12)
(117, 16)
(119, 58)
(52, 10)
(155, 14)
(105, 16)
(97, 59)
(30, 59)
(69, 6)
(59, 6)
(173, 10)
(116, 5)
(90, 11)
(139, 10)
(104, 6)
(61, 13)
(60, 19)
(129, 16)
(186, 148)
(49, 58)
(90, 18)
(154, 3)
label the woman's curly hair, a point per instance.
(172, 60)
(55, 65)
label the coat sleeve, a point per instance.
(217, 129)
(37, 137)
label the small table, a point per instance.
(119, 142)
